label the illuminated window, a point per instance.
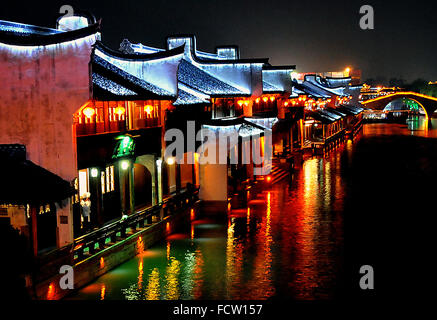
(83, 182)
(102, 181)
(111, 169)
(109, 178)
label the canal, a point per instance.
(366, 202)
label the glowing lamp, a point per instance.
(269, 178)
(88, 112)
(240, 102)
(94, 172)
(285, 103)
(170, 161)
(246, 103)
(265, 99)
(120, 110)
(272, 99)
(257, 100)
(125, 164)
(148, 109)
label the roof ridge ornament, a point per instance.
(126, 47)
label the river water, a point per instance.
(303, 239)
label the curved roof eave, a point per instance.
(138, 56)
(11, 38)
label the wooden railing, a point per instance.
(118, 229)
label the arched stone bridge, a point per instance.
(428, 103)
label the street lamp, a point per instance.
(170, 161)
(125, 164)
(94, 172)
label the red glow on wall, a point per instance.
(51, 292)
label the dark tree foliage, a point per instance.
(422, 86)
(419, 85)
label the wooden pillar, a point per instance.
(193, 167)
(122, 183)
(96, 199)
(301, 128)
(178, 177)
(99, 206)
(155, 189)
(132, 186)
(158, 163)
(34, 226)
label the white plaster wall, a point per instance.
(279, 78)
(40, 88)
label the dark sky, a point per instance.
(313, 34)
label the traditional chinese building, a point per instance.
(228, 95)
(45, 78)
(98, 119)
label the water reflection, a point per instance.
(288, 243)
(153, 290)
(172, 280)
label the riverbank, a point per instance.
(107, 259)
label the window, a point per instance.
(103, 181)
(107, 179)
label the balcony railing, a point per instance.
(47, 265)
(117, 116)
(96, 240)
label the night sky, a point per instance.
(315, 35)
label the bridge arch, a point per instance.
(411, 99)
(428, 103)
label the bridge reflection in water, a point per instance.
(289, 243)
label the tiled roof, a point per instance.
(203, 81)
(121, 82)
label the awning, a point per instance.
(353, 109)
(330, 114)
(337, 111)
(240, 126)
(322, 117)
(23, 182)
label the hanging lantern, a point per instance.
(246, 103)
(265, 99)
(240, 102)
(285, 103)
(120, 110)
(272, 99)
(88, 112)
(257, 100)
(148, 109)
